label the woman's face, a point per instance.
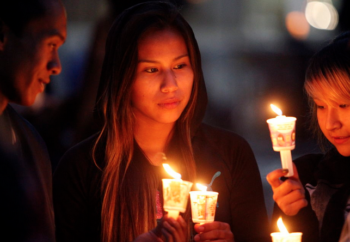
(163, 80)
(334, 120)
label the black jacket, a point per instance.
(330, 171)
(25, 182)
(241, 204)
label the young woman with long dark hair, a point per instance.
(152, 99)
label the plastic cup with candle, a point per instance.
(203, 205)
(175, 193)
(284, 235)
(282, 132)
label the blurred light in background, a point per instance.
(297, 25)
(321, 15)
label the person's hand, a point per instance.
(174, 230)
(150, 236)
(168, 230)
(215, 231)
(290, 194)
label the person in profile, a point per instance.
(31, 31)
(315, 200)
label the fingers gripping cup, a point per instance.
(282, 132)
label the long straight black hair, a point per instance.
(124, 219)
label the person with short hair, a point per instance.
(316, 200)
(31, 31)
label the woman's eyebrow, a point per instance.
(154, 61)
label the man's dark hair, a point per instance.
(17, 13)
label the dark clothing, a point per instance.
(77, 186)
(327, 187)
(26, 182)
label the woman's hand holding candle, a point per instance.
(150, 236)
(168, 230)
(174, 230)
(289, 194)
(214, 231)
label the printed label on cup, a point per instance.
(175, 194)
(282, 132)
(203, 206)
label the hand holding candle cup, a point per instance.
(289, 195)
(284, 235)
(282, 131)
(175, 193)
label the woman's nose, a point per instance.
(169, 83)
(333, 121)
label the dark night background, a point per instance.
(249, 58)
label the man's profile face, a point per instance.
(33, 57)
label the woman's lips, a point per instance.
(341, 139)
(170, 104)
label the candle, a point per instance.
(282, 131)
(175, 193)
(203, 205)
(284, 235)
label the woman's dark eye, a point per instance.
(179, 66)
(319, 107)
(343, 105)
(152, 70)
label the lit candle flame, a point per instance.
(276, 110)
(201, 187)
(281, 226)
(171, 172)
